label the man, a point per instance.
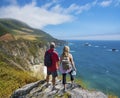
(52, 70)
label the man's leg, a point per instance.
(47, 78)
(54, 75)
(53, 80)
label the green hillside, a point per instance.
(21, 30)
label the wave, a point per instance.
(71, 44)
(72, 51)
(96, 46)
(104, 46)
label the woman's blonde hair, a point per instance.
(66, 50)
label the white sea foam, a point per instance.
(70, 43)
(104, 46)
(94, 76)
(107, 71)
(96, 46)
(72, 51)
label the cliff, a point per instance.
(21, 54)
(39, 89)
(22, 46)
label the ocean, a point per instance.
(97, 63)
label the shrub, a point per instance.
(11, 79)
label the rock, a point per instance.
(25, 89)
(22, 53)
(40, 89)
(39, 71)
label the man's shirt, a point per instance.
(55, 60)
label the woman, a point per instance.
(66, 65)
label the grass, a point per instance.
(11, 79)
(111, 95)
(24, 35)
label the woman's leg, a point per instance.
(64, 80)
(71, 76)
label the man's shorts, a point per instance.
(54, 74)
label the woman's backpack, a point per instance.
(66, 64)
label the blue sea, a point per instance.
(97, 65)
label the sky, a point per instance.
(68, 19)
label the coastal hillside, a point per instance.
(21, 45)
(21, 53)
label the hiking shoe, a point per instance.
(72, 86)
(54, 88)
(48, 84)
(64, 89)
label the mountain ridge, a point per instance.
(21, 30)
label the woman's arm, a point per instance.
(72, 62)
(60, 59)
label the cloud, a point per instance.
(33, 15)
(73, 8)
(117, 3)
(51, 13)
(105, 3)
(77, 9)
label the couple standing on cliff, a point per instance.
(60, 64)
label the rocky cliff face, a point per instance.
(39, 89)
(22, 53)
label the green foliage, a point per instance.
(111, 95)
(11, 79)
(12, 23)
(14, 27)
(3, 30)
(65, 95)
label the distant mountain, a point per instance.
(14, 29)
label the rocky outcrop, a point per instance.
(22, 53)
(7, 37)
(40, 89)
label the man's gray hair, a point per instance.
(52, 45)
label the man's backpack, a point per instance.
(48, 59)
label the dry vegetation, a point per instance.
(11, 79)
